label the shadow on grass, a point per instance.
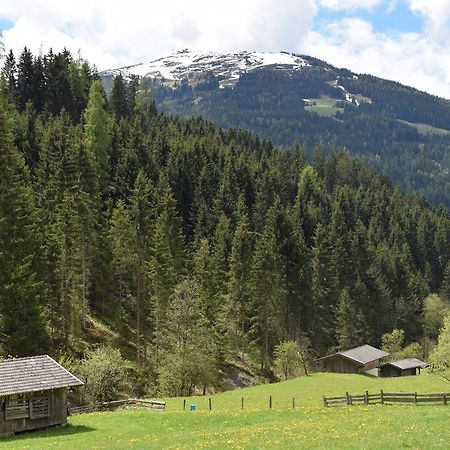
(66, 430)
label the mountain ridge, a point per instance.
(290, 98)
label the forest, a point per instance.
(192, 246)
(382, 129)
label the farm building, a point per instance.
(33, 393)
(402, 367)
(356, 360)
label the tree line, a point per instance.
(197, 246)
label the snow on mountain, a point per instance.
(227, 68)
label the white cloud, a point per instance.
(413, 59)
(350, 5)
(112, 32)
(437, 15)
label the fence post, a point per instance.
(445, 399)
(382, 397)
(270, 402)
(366, 398)
(242, 402)
(293, 402)
(347, 398)
(210, 404)
(415, 397)
(325, 403)
(184, 405)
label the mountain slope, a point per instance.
(288, 98)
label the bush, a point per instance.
(288, 360)
(103, 372)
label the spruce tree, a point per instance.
(119, 98)
(25, 79)
(267, 286)
(96, 133)
(324, 289)
(236, 308)
(21, 291)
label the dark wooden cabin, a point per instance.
(402, 367)
(356, 360)
(33, 393)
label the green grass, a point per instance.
(309, 425)
(323, 106)
(425, 129)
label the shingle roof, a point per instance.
(32, 374)
(362, 354)
(407, 363)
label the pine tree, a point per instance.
(141, 217)
(119, 99)
(21, 292)
(96, 133)
(122, 236)
(310, 204)
(324, 289)
(25, 80)
(351, 327)
(167, 261)
(237, 305)
(9, 79)
(268, 290)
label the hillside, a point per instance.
(287, 98)
(192, 248)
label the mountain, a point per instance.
(289, 98)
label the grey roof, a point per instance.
(407, 363)
(32, 374)
(362, 354)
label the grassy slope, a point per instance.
(308, 426)
(324, 106)
(425, 130)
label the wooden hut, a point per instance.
(402, 367)
(33, 393)
(356, 360)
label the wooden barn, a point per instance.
(33, 393)
(402, 367)
(356, 360)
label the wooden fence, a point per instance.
(386, 397)
(108, 406)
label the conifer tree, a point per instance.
(268, 289)
(237, 304)
(119, 99)
(324, 289)
(9, 79)
(122, 236)
(141, 217)
(96, 131)
(351, 327)
(26, 89)
(21, 291)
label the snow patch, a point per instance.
(227, 67)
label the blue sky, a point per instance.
(384, 18)
(402, 40)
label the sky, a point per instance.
(402, 40)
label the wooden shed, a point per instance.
(356, 360)
(33, 393)
(402, 367)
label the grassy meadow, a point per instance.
(324, 106)
(309, 425)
